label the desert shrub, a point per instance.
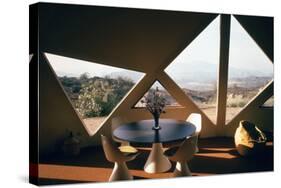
(237, 100)
(233, 105)
(242, 103)
(99, 96)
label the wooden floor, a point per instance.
(216, 156)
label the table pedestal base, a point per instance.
(157, 162)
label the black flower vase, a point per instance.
(156, 123)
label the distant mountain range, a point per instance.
(62, 73)
(205, 76)
(199, 77)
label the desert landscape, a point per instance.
(95, 97)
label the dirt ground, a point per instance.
(212, 111)
(94, 123)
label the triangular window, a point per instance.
(195, 69)
(94, 89)
(170, 101)
(249, 70)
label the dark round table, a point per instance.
(142, 132)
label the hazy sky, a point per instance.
(244, 53)
(65, 66)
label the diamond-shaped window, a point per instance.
(93, 89)
(195, 69)
(249, 69)
(170, 101)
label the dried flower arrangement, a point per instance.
(155, 104)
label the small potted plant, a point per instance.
(155, 104)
